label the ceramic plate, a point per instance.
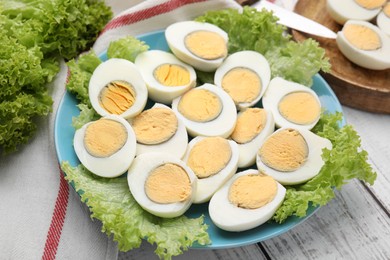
(220, 239)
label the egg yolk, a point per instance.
(104, 137)
(200, 105)
(300, 108)
(206, 45)
(362, 37)
(155, 126)
(252, 191)
(209, 156)
(168, 183)
(172, 75)
(370, 4)
(249, 124)
(242, 84)
(117, 96)
(284, 151)
(386, 10)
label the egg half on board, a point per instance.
(162, 184)
(244, 75)
(158, 129)
(383, 19)
(106, 147)
(252, 127)
(364, 10)
(214, 161)
(202, 45)
(364, 44)
(292, 104)
(292, 156)
(116, 87)
(246, 201)
(206, 110)
(166, 77)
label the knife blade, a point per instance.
(295, 21)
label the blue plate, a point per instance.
(64, 133)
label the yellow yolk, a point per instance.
(362, 37)
(300, 108)
(168, 183)
(209, 156)
(252, 191)
(249, 124)
(117, 97)
(155, 125)
(284, 151)
(206, 45)
(386, 10)
(370, 4)
(242, 84)
(171, 75)
(104, 137)
(200, 105)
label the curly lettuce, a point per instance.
(34, 34)
(258, 31)
(111, 202)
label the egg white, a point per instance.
(118, 69)
(176, 145)
(175, 35)
(148, 61)
(111, 166)
(229, 217)
(206, 187)
(383, 22)
(375, 59)
(277, 89)
(342, 11)
(138, 174)
(248, 151)
(222, 126)
(252, 60)
(309, 169)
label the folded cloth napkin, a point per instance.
(41, 216)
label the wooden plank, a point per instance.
(146, 252)
(351, 226)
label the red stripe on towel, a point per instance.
(166, 7)
(57, 220)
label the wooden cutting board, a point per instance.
(354, 86)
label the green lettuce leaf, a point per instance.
(258, 31)
(345, 161)
(111, 202)
(80, 73)
(126, 48)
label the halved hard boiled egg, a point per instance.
(364, 10)
(202, 45)
(206, 110)
(165, 76)
(162, 184)
(246, 201)
(292, 156)
(252, 127)
(383, 19)
(244, 76)
(158, 129)
(292, 104)
(116, 88)
(106, 147)
(365, 45)
(214, 161)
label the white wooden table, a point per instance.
(354, 225)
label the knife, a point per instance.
(295, 21)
